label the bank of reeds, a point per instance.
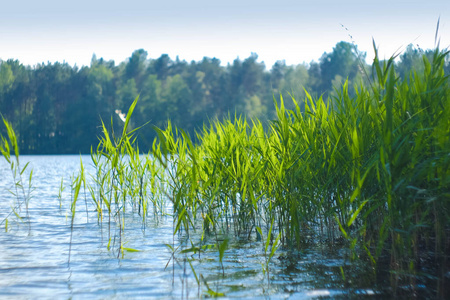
(373, 169)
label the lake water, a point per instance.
(34, 255)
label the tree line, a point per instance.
(57, 109)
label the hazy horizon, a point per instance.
(294, 31)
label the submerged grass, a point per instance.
(371, 171)
(123, 181)
(22, 190)
(373, 168)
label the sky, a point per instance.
(295, 31)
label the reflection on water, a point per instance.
(35, 262)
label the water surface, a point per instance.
(34, 254)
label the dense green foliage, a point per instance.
(368, 168)
(56, 108)
(372, 166)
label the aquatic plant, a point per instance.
(123, 180)
(373, 169)
(368, 169)
(23, 188)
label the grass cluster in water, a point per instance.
(123, 180)
(370, 170)
(373, 168)
(22, 190)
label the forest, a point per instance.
(58, 109)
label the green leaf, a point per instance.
(341, 228)
(193, 271)
(130, 249)
(193, 249)
(129, 113)
(260, 233)
(210, 292)
(222, 247)
(269, 234)
(342, 273)
(24, 168)
(356, 213)
(372, 259)
(275, 246)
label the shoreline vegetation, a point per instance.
(366, 168)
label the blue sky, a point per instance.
(296, 31)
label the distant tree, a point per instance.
(412, 58)
(177, 101)
(136, 66)
(254, 108)
(161, 67)
(126, 93)
(177, 67)
(277, 74)
(51, 87)
(150, 99)
(315, 79)
(252, 75)
(6, 77)
(100, 90)
(235, 85)
(246, 80)
(293, 83)
(208, 86)
(342, 62)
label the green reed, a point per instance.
(22, 191)
(124, 182)
(372, 168)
